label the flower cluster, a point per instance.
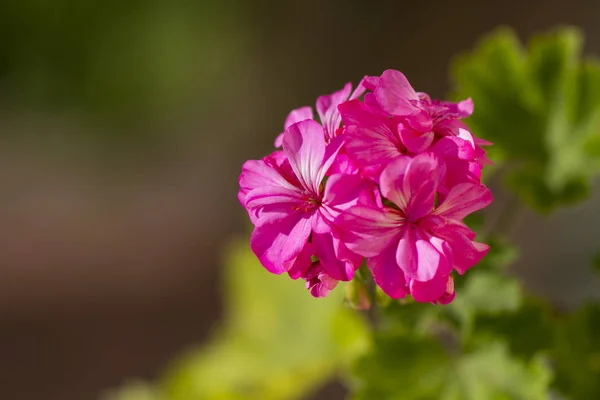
(387, 175)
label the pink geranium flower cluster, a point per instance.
(387, 175)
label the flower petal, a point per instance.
(466, 252)
(327, 251)
(327, 108)
(331, 152)
(420, 257)
(411, 184)
(370, 140)
(395, 93)
(266, 189)
(304, 145)
(387, 274)
(415, 141)
(258, 173)
(278, 243)
(298, 266)
(454, 147)
(463, 199)
(429, 291)
(462, 109)
(368, 230)
(318, 282)
(297, 115)
(359, 90)
(449, 295)
(344, 191)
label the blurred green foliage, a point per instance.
(540, 106)
(277, 342)
(121, 62)
(577, 354)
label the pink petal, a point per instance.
(466, 135)
(345, 191)
(269, 208)
(297, 115)
(304, 145)
(480, 153)
(463, 199)
(406, 252)
(318, 282)
(343, 164)
(421, 258)
(466, 252)
(429, 291)
(454, 147)
(415, 141)
(321, 223)
(356, 112)
(267, 195)
(327, 108)
(331, 152)
(462, 109)
(419, 121)
(372, 148)
(449, 294)
(391, 182)
(482, 142)
(298, 266)
(370, 141)
(371, 101)
(265, 192)
(412, 185)
(278, 140)
(371, 82)
(459, 171)
(387, 274)
(395, 93)
(257, 173)
(367, 230)
(336, 266)
(359, 90)
(278, 243)
(420, 183)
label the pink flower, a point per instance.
(293, 209)
(327, 108)
(389, 178)
(422, 120)
(411, 244)
(394, 94)
(372, 140)
(375, 137)
(318, 282)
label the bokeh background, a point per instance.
(123, 126)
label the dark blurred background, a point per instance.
(123, 126)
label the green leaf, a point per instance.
(491, 373)
(528, 331)
(403, 367)
(576, 353)
(277, 342)
(486, 292)
(412, 367)
(541, 108)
